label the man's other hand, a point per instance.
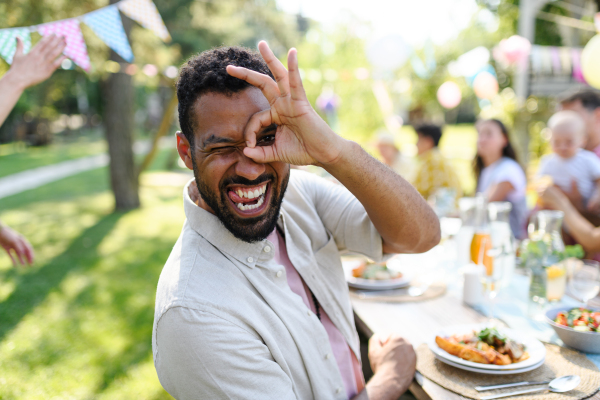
(394, 362)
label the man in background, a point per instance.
(26, 70)
(433, 171)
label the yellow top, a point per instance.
(435, 172)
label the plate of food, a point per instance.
(490, 349)
(363, 274)
(491, 371)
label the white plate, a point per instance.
(372, 284)
(535, 348)
(490, 371)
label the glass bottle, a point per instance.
(502, 239)
(543, 250)
(481, 244)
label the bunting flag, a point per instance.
(106, 23)
(145, 12)
(76, 49)
(597, 21)
(8, 42)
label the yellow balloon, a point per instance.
(590, 62)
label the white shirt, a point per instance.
(226, 323)
(504, 170)
(583, 168)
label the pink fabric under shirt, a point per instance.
(347, 362)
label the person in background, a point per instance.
(498, 173)
(26, 70)
(586, 234)
(433, 172)
(586, 103)
(569, 162)
(392, 157)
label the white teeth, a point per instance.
(250, 194)
(240, 193)
(240, 206)
(256, 193)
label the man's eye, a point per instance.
(223, 150)
(266, 140)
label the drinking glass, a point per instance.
(584, 280)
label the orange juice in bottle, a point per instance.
(482, 240)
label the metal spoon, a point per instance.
(557, 385)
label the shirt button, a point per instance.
(327, 356)
(250, 259)
(278, 274)
(308, 313)
(267, 249)
(338, 390)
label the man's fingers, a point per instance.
(276, 67)
(264, 82)
(29, 254)
(8, 251)
(40, 46)
(20, 251)
(296, 87)
(258, 121)
(261, 154)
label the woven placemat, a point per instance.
(559, 362)
(434, 290)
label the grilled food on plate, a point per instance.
(487, 346)
(375, 271)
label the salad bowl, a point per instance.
(588, 342)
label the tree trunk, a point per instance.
(118, 120)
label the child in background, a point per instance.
(569, 162)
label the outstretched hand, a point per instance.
(37, 65)
(302, 137)
(13, 242)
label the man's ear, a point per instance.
(184, 150)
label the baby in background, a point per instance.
(570, 164)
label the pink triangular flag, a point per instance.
(76, 49)
(597, 21)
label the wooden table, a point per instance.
(416, 322)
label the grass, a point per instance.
(78, 324)
(16, 157)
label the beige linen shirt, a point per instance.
(226, 323)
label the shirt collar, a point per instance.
(210, 227)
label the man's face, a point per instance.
(424, 144)
(587, 116)
(246, 196)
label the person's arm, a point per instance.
(580, 228)
(499, 191)
(402, 217)
(13, 242)
(594, 202)
(28, 70)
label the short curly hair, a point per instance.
(206, 73)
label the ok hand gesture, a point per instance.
(302, 136)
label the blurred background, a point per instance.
(77, 324)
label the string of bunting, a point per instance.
(105, 22)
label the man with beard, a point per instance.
(252, 303)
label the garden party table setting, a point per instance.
(478, 320)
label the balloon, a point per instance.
(590, 62)
(485, 85)
(449, 95)
(513, 50)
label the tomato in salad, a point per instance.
(580, 319)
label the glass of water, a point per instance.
(584, 281)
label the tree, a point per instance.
(118, 120)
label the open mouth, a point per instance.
(249, 200)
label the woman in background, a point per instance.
(499, 176)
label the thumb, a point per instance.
(19, 51)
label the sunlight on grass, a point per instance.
(78, 323)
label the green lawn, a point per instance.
(78, 324)
(16, 157)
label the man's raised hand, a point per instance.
(37, 65)
(302, 136)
